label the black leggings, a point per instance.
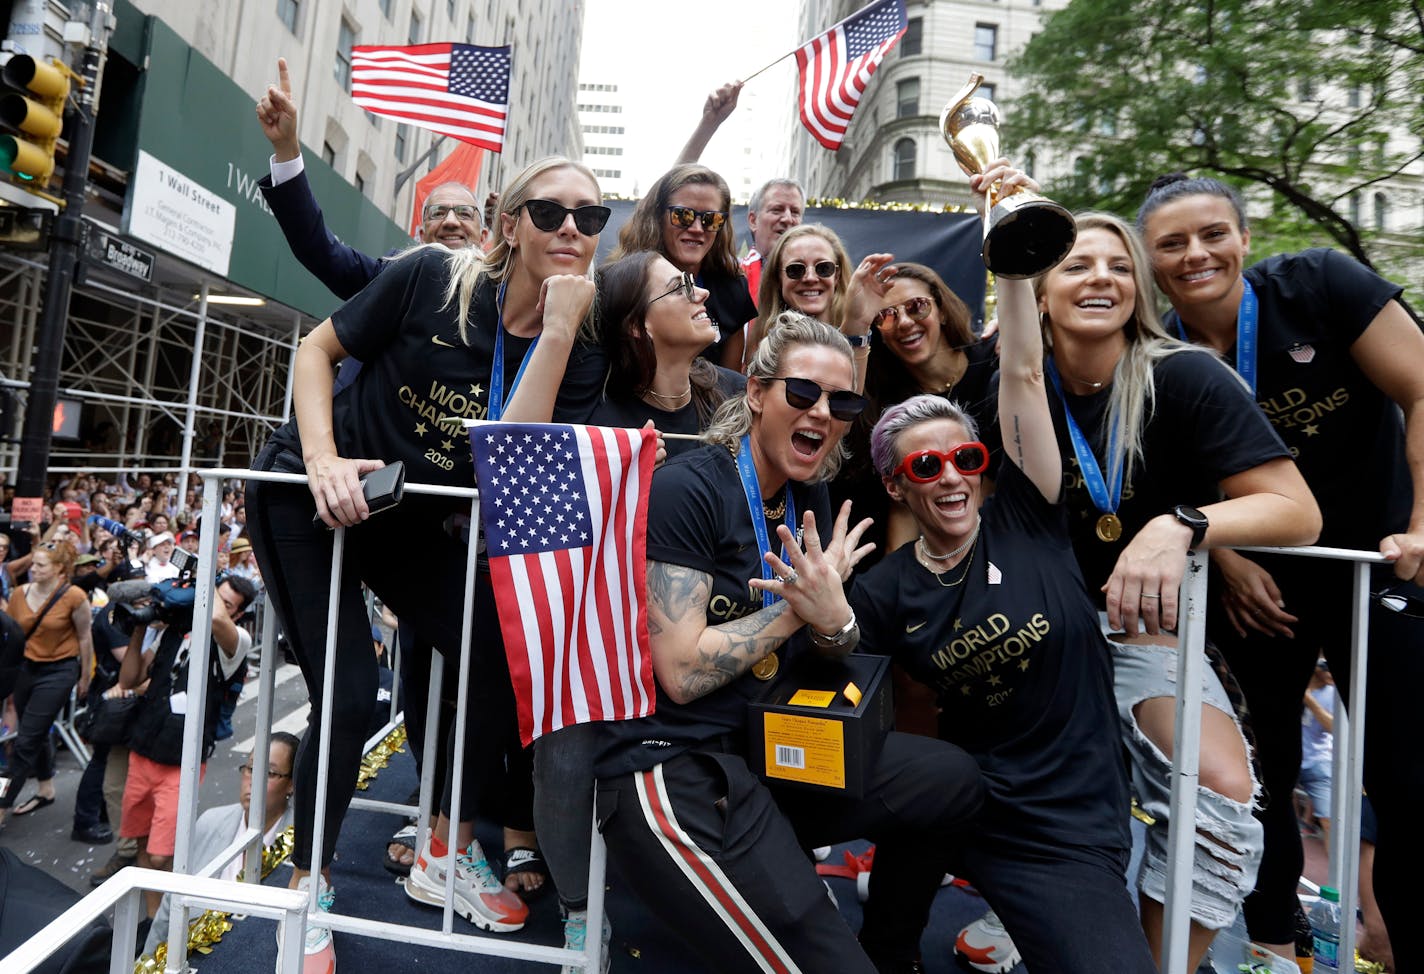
(418, 570)
(1273, 673)
(40, 694)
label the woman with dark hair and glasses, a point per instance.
(687, 217)
(725, 616)
(987, 607)
(443, 335)
(1337, 366)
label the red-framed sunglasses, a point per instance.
(925, 466)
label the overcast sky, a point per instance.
(666, 55)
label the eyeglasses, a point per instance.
(1405, 605)
(684, 216)
(925, 466)
(548, 216)
(246, 772)
(804, 394)
(917, 308)
(438, 211)
(686, 283)
(824, 269)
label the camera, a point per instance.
(169, 602)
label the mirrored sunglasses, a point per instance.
(548, 216)
(684, 216)
(823, 269)
(925, 466)
(804, 394)
(917, 308)
(1400, 602)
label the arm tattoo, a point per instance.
(675, 592)
(743, 642)
(1018, 442)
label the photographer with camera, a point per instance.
(160, 676)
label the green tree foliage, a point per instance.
(1318, 100)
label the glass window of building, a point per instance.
(914, 40)
(986, 42)
(907, 97)
(345, 40)
(402, 141)
(904, 160)
(289, 12)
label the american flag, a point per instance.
(458, 89)
(836, 66)
(564, 513)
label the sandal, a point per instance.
(523, 859)
(33, 804)
(406, 838)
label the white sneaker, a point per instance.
(986, 946)
(479, 896)
(576, 937)
(821, 852)
(319, 956)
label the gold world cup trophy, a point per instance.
(1024, 234)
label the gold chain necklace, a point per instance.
(775, 513)
(681, 399)
(923, 558)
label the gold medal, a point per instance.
(1109, 528)
(766, 667)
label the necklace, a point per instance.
(680, 399)
(777, 512)
(939, 576)
(925, 549)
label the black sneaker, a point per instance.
(96, 834)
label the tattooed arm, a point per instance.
(692, 659)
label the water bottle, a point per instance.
(1325, 931)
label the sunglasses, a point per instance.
(1405, 605)
(917, 308)
(804, 394)
(686, 283)
(824, 269)
(548, 216)
(438, 211)
(684, 216)
(925, 466)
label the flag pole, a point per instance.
(469, 423)
(771, 65)
(798, 47)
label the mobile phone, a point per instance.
(381, 488)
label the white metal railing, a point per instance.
(1347, 772)
(124, 893)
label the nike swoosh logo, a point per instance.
(440, 341)
(917, 627)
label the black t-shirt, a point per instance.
(1345, 434)
(729, 305)
(619, 408)
(1202, 429)
(698, 518)
(1020, 665)
(416, 371)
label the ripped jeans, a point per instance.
(1229, 839)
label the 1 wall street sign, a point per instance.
(116, 252)
(170, 210)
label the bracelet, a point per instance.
(858, 341)
(838, 638)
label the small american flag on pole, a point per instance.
(836, 66)
(458, 89)
(564, 513)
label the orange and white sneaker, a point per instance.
(986, 946)
(479, 896)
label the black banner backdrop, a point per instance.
(948, 242)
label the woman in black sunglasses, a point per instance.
(725, 614)
(686, 216)
(444, 335)
(987, 608)
(808, 270)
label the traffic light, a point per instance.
(38, 114)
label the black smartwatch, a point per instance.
(858, 341)
(1193, 519)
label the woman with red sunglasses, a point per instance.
(687, 217)
(443, 335)
(725, 616)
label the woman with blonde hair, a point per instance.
(808, 270)
(441, 334)
(687, 217)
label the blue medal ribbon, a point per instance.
(1247, 317)
(1104, 499)
(496, 391)
(751, 486)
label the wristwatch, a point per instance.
(859, 341)
(1193, 519)
(838, 638)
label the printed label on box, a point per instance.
(810, 750)
(812, 698)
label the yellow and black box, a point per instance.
(822, 725)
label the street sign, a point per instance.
(112, 251)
